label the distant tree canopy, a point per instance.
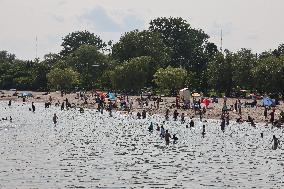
(169, 55)
(74, 40)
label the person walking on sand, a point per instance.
(265, 112)
(272, 114)
(55, 119)
(167, 137)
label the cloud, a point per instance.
(104, 20)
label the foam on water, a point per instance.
(91, 150)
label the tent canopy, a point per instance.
(266, 101)
(26, 94)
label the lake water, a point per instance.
(91, 150)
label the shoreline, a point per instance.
(212, 113)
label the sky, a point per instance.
(30, 28)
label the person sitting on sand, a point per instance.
(167, 137)
(239, 120)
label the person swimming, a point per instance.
(158, 128)
(175, 139)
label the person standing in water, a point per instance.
(167, 114)
(10, 103)
(276, 142)
(144, 114)
(151, 127)
(162, 134)
(203, 131)
(167, 137)
(182, 118)
(223, 125)
(191, 124)
(55, 119)
(33, 107)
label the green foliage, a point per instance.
(63, 78)
(135, 44)
(269, 74)
(131, 75)
(170, 78)
(243, 63)
(74, 40)
(220, 73)
(89, 63)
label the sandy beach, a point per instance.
(213, 111)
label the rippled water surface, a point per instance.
(91, 150)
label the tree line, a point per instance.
(167, 56)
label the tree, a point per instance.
(243, 63)
(89, 63)
(170, 78)
(63, 78)
(269, 74)
(220, 73)
(131, 76)
(187, 44)
(74, 40)
(135, 44)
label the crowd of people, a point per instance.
(124, 103)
